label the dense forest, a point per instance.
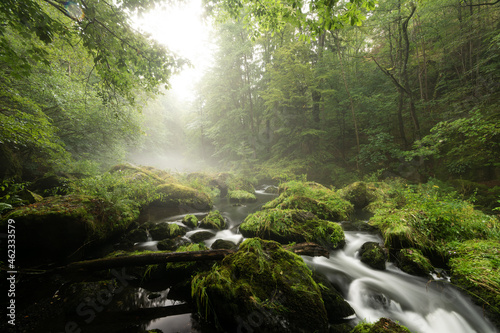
(393, 106)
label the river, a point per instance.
(423, 305)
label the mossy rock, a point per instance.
(313, 197)
(261, 285)
(166, 230)
(172, 199)
(383, 325)
(56, 227)
(475, 267)
(374, 255)
(223, 244)
(240, 196)
(214, 220)
(201, 236)
(412, 261)
(171, 244)
(293, 225)
(360, 194)
(190, 221)
(136, 235)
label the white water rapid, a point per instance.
(422, 305)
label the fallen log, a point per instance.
(148, 259)
(308, 249)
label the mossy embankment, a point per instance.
(97, 209)
(429, 224)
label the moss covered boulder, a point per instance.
(190, 221)
(214, 220)
(261, 287)
(412, 261)
(313, 197)
(171, 199)
(374, 255)
(56, 227)
(165, 230)
(293, 225)
(366, 196)
(240, 197)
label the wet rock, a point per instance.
(374, 255)
(292, 225)
(166, 230)
(154, 295)
(412, 261)
(214, 220)
(136, 235)
(171, 244)
(223, 244)
(336, 306)
(201, 236)
(190, 221)
(263, 282)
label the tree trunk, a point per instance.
(310, 249)
(351, 102)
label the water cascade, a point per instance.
(422, 305)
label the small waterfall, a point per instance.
(424, 306)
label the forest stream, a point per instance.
(422, 305)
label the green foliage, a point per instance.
(430, 218)
(475, 266)
(479, 137)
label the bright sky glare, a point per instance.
(181, 29)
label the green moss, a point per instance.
(62, 224)
(412, 261)
(240, 196)
(182, 195)
(214, 220)
(429, 219)
(261, 278)
(383, 325)
(291, 225)
(190, 221)
(475, 267)
(313, 197)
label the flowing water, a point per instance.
(423, 305)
